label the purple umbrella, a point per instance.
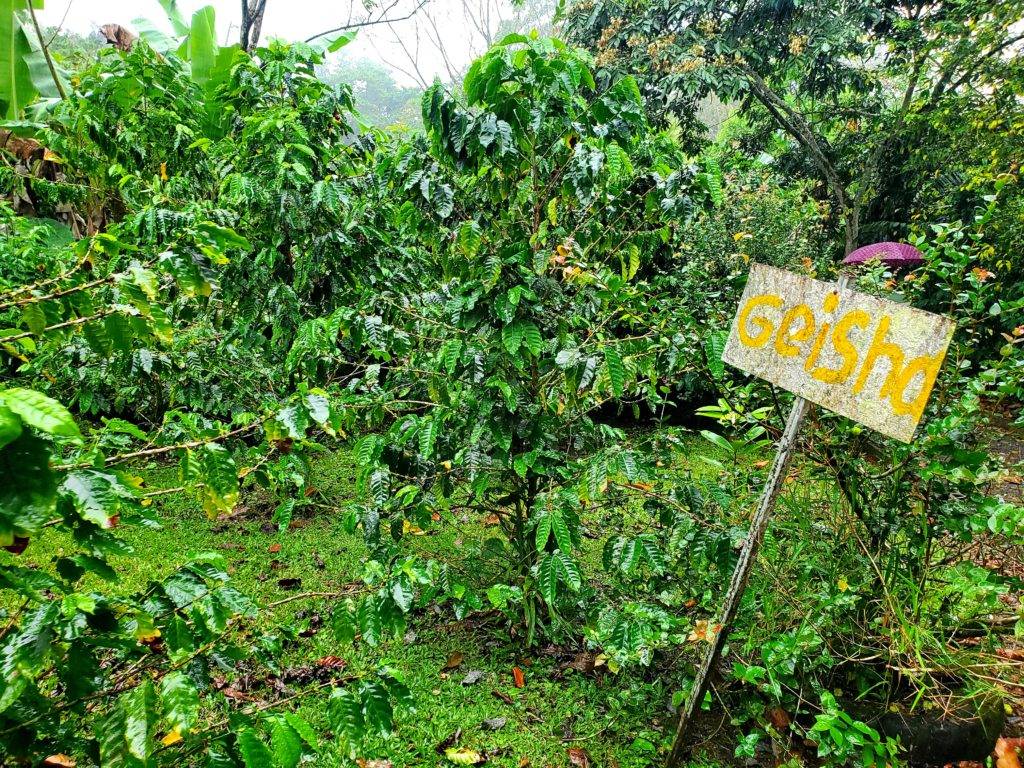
(890, 254)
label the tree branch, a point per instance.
(371, 22)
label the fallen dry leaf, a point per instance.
(518, 678)
(578, 757)
(778, 717)
(1008, 752)
(1011, 654)
(233, 693)
(453, 661)
(503, 696)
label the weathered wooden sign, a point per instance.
(874, 361)
(871, 360)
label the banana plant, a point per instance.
(25, 76)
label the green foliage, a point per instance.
(24, 75)
(235, 277)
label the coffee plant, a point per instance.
(510, 319)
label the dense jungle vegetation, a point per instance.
(326, 443)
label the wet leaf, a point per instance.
(463, 756)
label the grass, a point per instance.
(621, 720)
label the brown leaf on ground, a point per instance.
(778, 717)
(518, 678)
(233, 693)
(502, 696)
(1011, 654)
(1008, 753)
(453, 661)
(579, 758)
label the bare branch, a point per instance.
(382, 19)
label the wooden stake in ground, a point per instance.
(880, 378)
(741, 574)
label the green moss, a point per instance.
(620, 719)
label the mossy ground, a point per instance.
(619, 719)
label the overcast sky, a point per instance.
(289, 19)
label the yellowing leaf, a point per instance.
(173, 737)
(415, 530)
(147, 634)
(463, 756)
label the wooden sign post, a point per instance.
(871, 360)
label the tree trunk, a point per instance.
(252, 22)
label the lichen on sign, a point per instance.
(871, 360)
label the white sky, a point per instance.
(288, 19)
